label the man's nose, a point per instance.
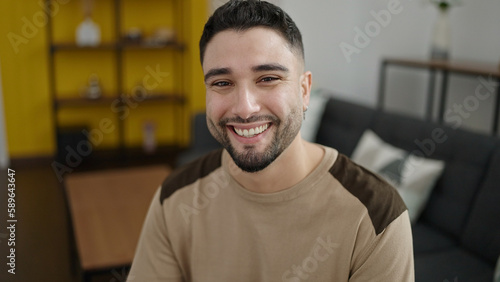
(246, 103)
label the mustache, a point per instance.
(269, 118)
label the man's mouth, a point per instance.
(251, 132)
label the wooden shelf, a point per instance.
(143, 45)
(80, 101)
(119, 62)
(177, 98)
(117, 45)
(74, 47)
(108, 101)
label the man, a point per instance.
(270, 206)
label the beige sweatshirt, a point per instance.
(340, 223)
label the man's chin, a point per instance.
(249, 160)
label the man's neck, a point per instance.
(292, 166)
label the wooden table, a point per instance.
(107, 211)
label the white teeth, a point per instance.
(251, 132)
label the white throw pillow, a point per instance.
(413, 176)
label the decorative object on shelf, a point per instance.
(161, 36)
(93, 89)
(149, 137)
(88, 32)
(133, 35)
(441, 39)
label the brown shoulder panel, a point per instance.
(380, 199)
(191, 172)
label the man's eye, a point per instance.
(269, 79)
(221, 83)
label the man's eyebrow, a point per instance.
(270, 67)
(217, 71)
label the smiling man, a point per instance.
(269, 206)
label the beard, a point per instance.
(250, 160)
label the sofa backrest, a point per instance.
(466, 154)
(482, 231)
(342, 125)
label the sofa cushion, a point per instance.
(342, 125)
(413, 176)
(482, 232)
(427, 239)
(455, 265)
(466, 155)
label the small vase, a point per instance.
(440, 49)
(149, 137)
(88, 33)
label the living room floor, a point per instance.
(44, 241)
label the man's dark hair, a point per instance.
(241, 15)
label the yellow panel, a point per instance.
(23, 60)
(155, 70)
(195, 18)
(73, 69)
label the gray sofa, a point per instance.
(457, 237)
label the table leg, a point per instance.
(430, 94)
(381, 89)
(442, 103)
(496, 109)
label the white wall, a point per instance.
(325, 24)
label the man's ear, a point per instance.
(305, 87)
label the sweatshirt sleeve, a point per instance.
(154, 259)
(389, 257)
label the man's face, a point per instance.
(255, 93)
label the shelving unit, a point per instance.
(121, 63)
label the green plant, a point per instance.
(445, 4)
